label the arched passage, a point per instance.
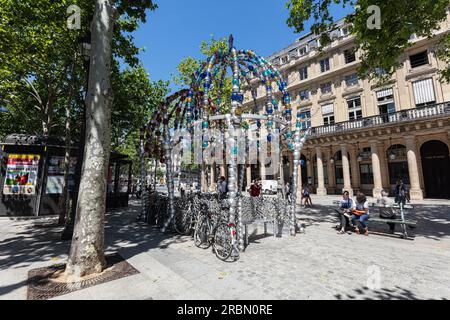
(436, 169)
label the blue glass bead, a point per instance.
(235, 150)
(291, 146)
(288, 111)
(269, 111)
(269, 123)
(298, 124)
(205, 124)
(205, 144)
(274, 102)
(269, 138)
(258, 124)
(289, 135)
(235, 82)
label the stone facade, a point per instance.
(365, 136)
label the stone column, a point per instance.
(376, 169)
(262, 171)
(415, 192)
(383, 166)
(222, 171)
(356, 179)
(346, 170)
(321, 191)
(249, 175)
(331, 173)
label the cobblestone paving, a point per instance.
(319, 264)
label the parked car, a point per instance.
(269, 186)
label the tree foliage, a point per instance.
(382, 48)
(189, 66)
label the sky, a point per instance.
(175, 30)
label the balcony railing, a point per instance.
(384, 119)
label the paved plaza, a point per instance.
(319, 264)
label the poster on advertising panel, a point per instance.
(55, 175)
(21, 174)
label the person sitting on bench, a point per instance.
(344, 212)
(361, 213)
(386, 209)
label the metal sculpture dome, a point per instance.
(204, 106)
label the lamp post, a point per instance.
(85, 50)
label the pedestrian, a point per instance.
(306, 194)
(344, 212)
(360, 213)
(400, 192)
(386, 210)
(287, 191)
(255, 189)
(222, 187)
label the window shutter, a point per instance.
(328, 109)
(385, 93)
(423, 91)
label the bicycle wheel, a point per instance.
(201, 233)
(222, 242)
(183, 221)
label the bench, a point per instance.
(401, 220)
(257, 221)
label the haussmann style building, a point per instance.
(366, 136)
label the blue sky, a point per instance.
(176, 29)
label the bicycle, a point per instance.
(214, 231)
(186, 215)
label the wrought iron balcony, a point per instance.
(431, 111)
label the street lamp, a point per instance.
(360, 158)
(392, 155)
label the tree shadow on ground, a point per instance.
(433, 221)
(39, 240)
(364, 293)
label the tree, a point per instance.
(383, 47)
(87, 250)
(136, 97)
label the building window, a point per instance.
(366, 173)
(325, 65)
(424, 92)
(302, 51)
(328, 114)
(304, 95)
(354, 108)
(419, 59)
(344, 31)
(326, 87)
(351, 80)
(350, 55)
(305, 119)
(303, 73)
(386, 104)
(284, 59)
